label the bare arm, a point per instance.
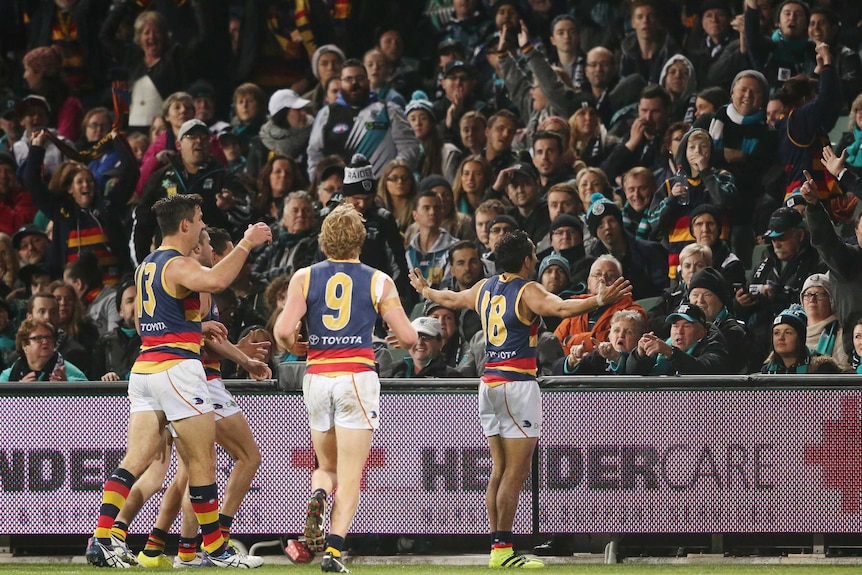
(295, 307)
(542, 302)
(447, 298)
(393, 313)
(188, 273)
(257, 369)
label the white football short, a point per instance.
(351, 401)
(180, 391)
(511, 410)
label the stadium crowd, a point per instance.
(682, 145)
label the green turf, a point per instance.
(48, 569)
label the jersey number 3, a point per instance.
(146, 300)
(493, 309)
(339, 294)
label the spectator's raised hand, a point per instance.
(832, 162)
(809, 189)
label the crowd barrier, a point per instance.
(617, 455)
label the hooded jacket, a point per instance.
(682, 109)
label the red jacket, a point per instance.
(575, 330)
(16, 210)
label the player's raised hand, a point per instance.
(614, 292)
(417, 280)
(258, 234)
(214, 330)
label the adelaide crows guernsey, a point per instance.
(212, 364)
(342, 298)
(170, 322)
(510, 340)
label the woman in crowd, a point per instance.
(589, 139)
(176, 110)
(379, 69)
(396, 190)
(824, 331)
(592, 181)
(249, 113)
(851, 140)
(471, 182)
(679, 79)
(39, 360)
(471, 128)
(8, 267)
(435, 156)
(72, 319)
(692, 259)
(43, 72)
(96, 125)
(789, 353)
(278, 177)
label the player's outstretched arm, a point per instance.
(295, 307)
(393, 313)
(542, 302)
(447, 298)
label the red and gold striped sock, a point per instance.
(120, 530)
(205, 503)
(187, 548)
(117, 488)
(225, 521)
(155, 542)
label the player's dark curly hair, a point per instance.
(511, 250)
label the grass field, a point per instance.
(66, 569)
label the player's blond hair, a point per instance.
(342, 233)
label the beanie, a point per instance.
(705, 209)
(359, 177)
(44, 60)
(795, 317)
(761, 79)
(601, 207)
(565, 220)
(432, 181)
(325, 49)
(817, 280)
(420, 101)
(711, 279)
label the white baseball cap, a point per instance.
(282, 99)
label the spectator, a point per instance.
(397, 191)
(460, 97)
(95, 127)
(32, 245)
(705, 226)
(586, 329)
(45, 306)
(425, 359)
(471, 181)
(693, 348)
(83, 216)
(788, 52)
(591, 181)
(546, 95)
(35, 278)
(34, 112)
(7, 334)
(249, 113)
(530, 211)
(741, 137)
(499, 136)
(99, 300)
(679, 78)
(855, 361)
(603, 76)
(459, 226)
(16, 208)
(465, 269)
(709, 290)
(177, 109)
(435, 156)
(669, 149)
(405, 70)
(287, 131)
(195, 171)
(359, 122)
(639, 186)
(428, 249)
(8, 268)
(156, 65)
(824, 26)
(485, 213)
(204, 96)
(455, 347)
(72, 321)
(566, 239)
(789, 353)
(715, 47)
(328, 179)
(294, 240)
(279, 176)
(643, 142)
(326, 63)
(555, 277)
(39, 361)
(709, 101)
(566, 40)
(649, 46)
(609, 357)
(696, 183)
(589, 138)
(778, 279)
(777, 107)
(44, 75)
(643, 263)
(116, 351)
(379, 71)
(473, 131)
(549, 160)
(692, 259)
(824, 332)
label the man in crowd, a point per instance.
(608, 357)
(465, 269)
(32, 245)
(428, 250)
(425, 358)
(639, 187)
(642, 146)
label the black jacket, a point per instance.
(709, 356)
(117, 352)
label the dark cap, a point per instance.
(126, 282)
(431, 182)
(794, 199)
(24, 231)
(202, 89)
(687, 312)
(526, 169)
(28, 272)
(7, 108)
(713, 5)
(711, 279)
(456, 65)
(567, 221)
(450, 45)
(781, 221)
(555, 260)
(504, 219)
(501, 3)
(31, 100)
(431, 306)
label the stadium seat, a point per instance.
(648, 302)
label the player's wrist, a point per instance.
(245, 246)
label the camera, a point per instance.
(754, 289)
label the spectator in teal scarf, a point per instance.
(789, 354)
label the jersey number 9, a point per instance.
(339, 294)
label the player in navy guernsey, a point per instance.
(342, 299)
(510, 406)
(166, 384)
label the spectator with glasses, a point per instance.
(590, 328)
(38, 359)
(824, 333)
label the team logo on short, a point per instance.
(313, 340)
(199, 401)
(218, 406)
(373, 415)
(526, 423)
(340, 128)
